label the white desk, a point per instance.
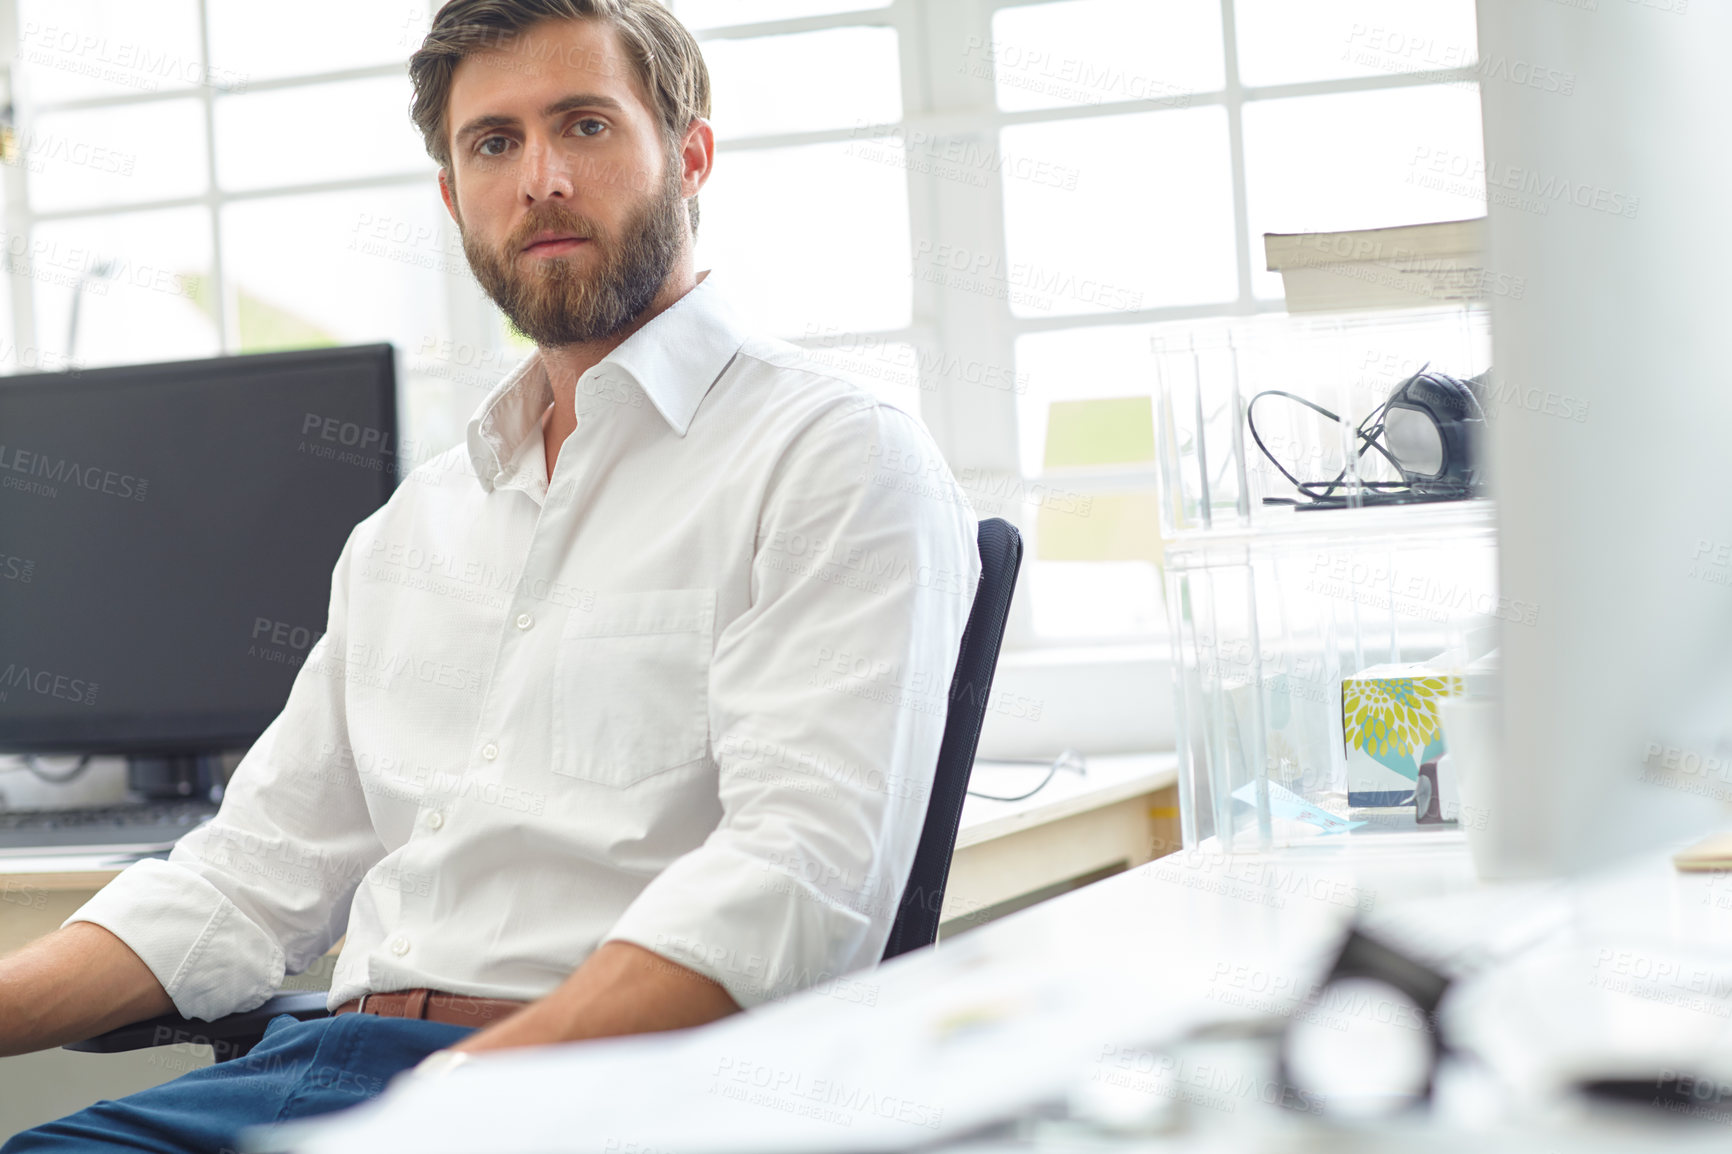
(1119, 814)
(38, 893)
(1122, 811)
(1105, 984)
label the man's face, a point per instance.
(571, 210)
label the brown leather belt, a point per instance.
(433, 1006)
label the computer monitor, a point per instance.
(167, 535)
(1612, 455)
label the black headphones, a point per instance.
(1428, 430)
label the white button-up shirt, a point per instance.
(687, 693)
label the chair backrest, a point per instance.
(916, 922)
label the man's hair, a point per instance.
(663, 53)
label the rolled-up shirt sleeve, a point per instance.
(827, 701)
(264, 888)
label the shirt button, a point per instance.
(399, 946)
(490, 751)
(524, 621)
(435, 820)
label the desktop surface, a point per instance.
(1151, 985)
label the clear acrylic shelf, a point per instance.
(1281, 614)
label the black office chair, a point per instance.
(916, 923)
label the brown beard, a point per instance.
(555, 303)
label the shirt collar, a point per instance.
(674, 359)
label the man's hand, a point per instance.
(76, 982)
(620, 989)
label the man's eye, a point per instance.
(582, 126)
(487, 146)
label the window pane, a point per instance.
(73, 49)
(17, 356)
(1290, 41)
(1099, 51)
(339, 268)
(1095, 600)
(324, 132)
(1147, 220)
(810, 236)
(142, 281)
(1075, 365)
(844, 77)
(717, 13)
(261, 41)
(1361, 160)
(110, 156)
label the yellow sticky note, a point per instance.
(1108, 431)
(1104, 527)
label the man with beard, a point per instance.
(627, 708)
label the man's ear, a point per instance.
(697, 156)
(448, 195)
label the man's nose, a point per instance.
(544, 174)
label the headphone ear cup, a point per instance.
(1448, 465)
(1411, 435)
(1447, 397)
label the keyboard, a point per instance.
(143, 827)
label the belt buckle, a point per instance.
(362, 1008)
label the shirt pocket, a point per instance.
(631, 686)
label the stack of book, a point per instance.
(1417, 265)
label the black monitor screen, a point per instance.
(167, 534)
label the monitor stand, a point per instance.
(167, 777)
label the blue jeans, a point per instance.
(299, 1070)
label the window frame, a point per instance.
(466, 308)
(975, 427)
